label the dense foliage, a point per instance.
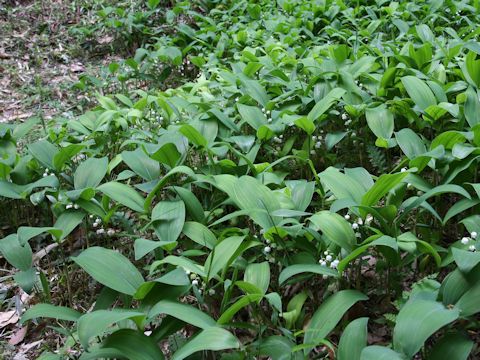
(267, 179)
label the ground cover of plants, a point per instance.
(240, 180)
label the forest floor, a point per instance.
(40, 63)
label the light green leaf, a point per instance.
(420, 93)
(50, 311)
(335, 228)
(353, 340)
(123, 194)
(328, 315)
(417, 321)
(184, 312)
(111, 269)
(213, 339)
(326, 103)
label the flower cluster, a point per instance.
(466, 240)
(72, 206)
(328, 260)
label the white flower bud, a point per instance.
(110, 232)
(344, 116)
(329, 258)
(472, 248)
(355, 226)
(195, 282)
(267, 249)
(69, 206)
(347, 217)
(322, 262)
(360, 221)
(76, 206)
(465, 240)
(100, 231)
(403, 169)
(473, 234)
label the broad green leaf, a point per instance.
(258, 275)
(353, 340)
(97, 322)
(342, 185)
(293, 270)
(184, 312)
(252, 115)
(123, 194)
(328, 315)
(452, 346)
(237, 306)
(50, 311)
(376, 352)
(200, 234)
(168, 218)
(335, 228)
(193, 135)
(221, 255)
(111, 269)
(126, 343)
(141, 164)
(194, 207)
(212, 338)
(44, 152)
(18, 255)
(326, 103)
(168, 155)
(382, 186)
(90, 173)
(380, 121)
(417, 321)
(68, 221)
(465, 260)
(419, 91)
(276, 347)
(143, 246)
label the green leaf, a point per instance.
(472, 107)
(237, 306)
(420, 93)
(44, 152)
(335, 228)
(276, 347)
(50, 311)
(123, 194)
(168, 155)
(326, 103)
(410, 143)
(382, 186)
(380, 121)
(417, 321)
(453, 346)
(213, 339)
(293, 270)
(194, 207)
(342, 185)
(466, 260)
(184, 312)
(95, 323)
(111, 269)
(221, 255)
(90, 173)
(375, 352)
(168, 218)
(258, 275)
(126, 343)
(193, 135)
(328, 315)
(306, 125)
(65, 154)
(18, 255)
(200, 234)
(143, 246)
(353, 340)
(141, 164)
(252, 115)
(68, 221)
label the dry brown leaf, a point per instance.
(18, 337)
(8, 317)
